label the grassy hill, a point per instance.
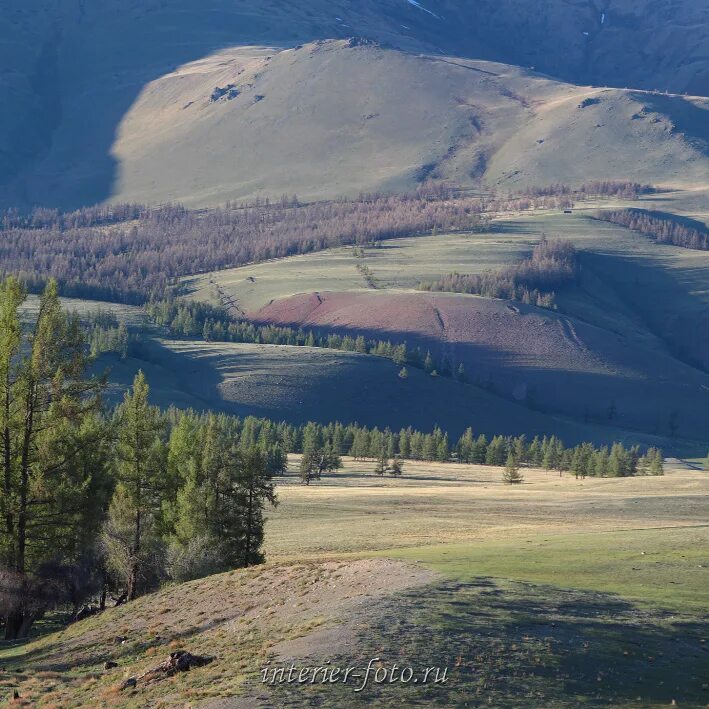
(627, 338)
(225, 103)
(300, 384)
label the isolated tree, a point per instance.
(382, 464)
(397, 467)
(511, 474)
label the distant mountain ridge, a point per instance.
(99, 95)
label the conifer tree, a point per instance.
(47, 442)
(132, 532)
(511, 474)
(496, 451)
(382, 464)
(397, 467)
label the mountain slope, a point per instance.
(339, 117)
(543, 359)
(78, 97)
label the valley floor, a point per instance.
(554, 593)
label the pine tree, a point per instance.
(511, 474)
(465, 446)
(480, 449)
(656, 458)
(618, 461)
(48, 443)
(309, 466)
(496, 451)
(133, 525)
(397, 467)
(256, 488)
(382, 464)
(535, 452)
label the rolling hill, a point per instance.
(626, 346)
(222, 101)
(301, 384)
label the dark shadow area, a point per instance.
(520, 644)
(687, 118)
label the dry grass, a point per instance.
(240, 618)
(435, 503)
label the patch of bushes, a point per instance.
(553, 264)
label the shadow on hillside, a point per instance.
(100, 56)
(687, 118)
(103, 58)
(526, 645)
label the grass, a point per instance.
(543, 597)
(436, 503)
(512, 644)
(666, 568)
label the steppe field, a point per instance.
(558, 592)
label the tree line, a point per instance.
(665, 229)
(142, 250)
(131, 252)
(188, 318)
(552, 265)
(95, 502)
(361, 442)
(624, 189)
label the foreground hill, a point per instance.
(222, 102)
(517, 590)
